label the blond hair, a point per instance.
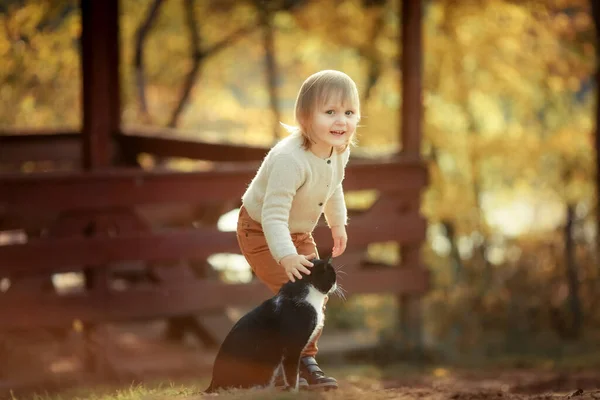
(316, 90)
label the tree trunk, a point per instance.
(457, 266)
(266, 21)
(572, 276)
(138, 60)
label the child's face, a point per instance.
(333, 124)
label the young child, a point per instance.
(299, 179)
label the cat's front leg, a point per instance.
(289, 389)
(291, 371)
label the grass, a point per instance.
(142, 392)
(160, 391)
(358, 381)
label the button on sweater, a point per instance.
(290, 191)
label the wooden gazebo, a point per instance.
(87, 219)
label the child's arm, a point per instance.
(335, 208)
(285, 177)
(336, 215)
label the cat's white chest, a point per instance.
(316, 299)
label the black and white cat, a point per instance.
(268, 340)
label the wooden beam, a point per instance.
(40, 146)
(10, 133)
(49, 145)
(70, 253)
(100, 70)
(377, 227)
(19, 145)
(411, 56)
(132, 143)
(132, 187)
(49, 310)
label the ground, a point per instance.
(179, 372)
(369, 382)
(467, 385)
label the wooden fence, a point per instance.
(91, 221)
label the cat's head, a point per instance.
(322, 275)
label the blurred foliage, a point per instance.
(40, 69)
(509, 92)
(509, 102)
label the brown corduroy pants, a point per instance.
(253, 246)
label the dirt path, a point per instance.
(469, 385)
(492, 384)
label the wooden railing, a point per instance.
(93, 222)
(18, 145)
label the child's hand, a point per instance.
(296, 263)
(340, 238)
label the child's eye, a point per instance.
(330, 112)
(349, 112)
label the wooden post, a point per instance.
(100, 70)
(596, 17)
(410, 135)
(411, 55)
(101, 120)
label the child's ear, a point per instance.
(301, 121)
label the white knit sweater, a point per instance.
(290, 191)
